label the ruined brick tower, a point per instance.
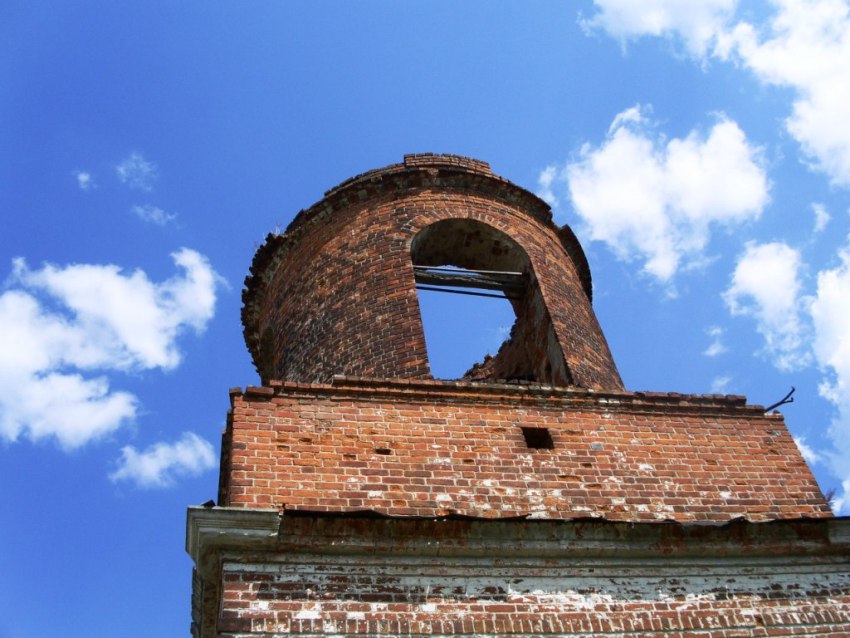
(535, 496)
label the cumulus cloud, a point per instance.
(656, 199)
(153, 214)
(801, 330)
(137, 172)
(766, 286)
(808, 453)
(545, 181)
(822, 217)
(85, 181)
(830, 309)
(64, 329)
(716, 347)
(720, 385)
(160, 464)
(696, 23)
(804, 46)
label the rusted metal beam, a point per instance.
(506, 282)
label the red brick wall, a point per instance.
(437, 448)
(415, 586)
(336, 295)
(385, 609)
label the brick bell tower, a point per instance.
(534, 496)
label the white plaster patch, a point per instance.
(646, 467)
(375, 494)
(726, 494)
(308, 614)
(569, 598)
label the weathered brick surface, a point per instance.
(367, 500)
(297, 600)
(335, 294)
(435, 448)
(751, 587)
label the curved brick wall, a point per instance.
(335, 294)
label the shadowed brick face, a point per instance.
(516, 591)
(535, 496)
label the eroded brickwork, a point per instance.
(359, 497)
(452, 578)
(336, 293)
(435, 448)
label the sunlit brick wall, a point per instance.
(438, 448)
(336, 294)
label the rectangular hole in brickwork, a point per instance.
(538, 438)
(383, 450)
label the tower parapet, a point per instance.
(336, 292)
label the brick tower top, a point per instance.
(336, 292)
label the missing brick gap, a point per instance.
(538, 438)
(383, 450)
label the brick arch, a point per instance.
(531, 352)
(467, 243)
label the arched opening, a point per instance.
(491, 285)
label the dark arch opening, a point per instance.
(485, 261)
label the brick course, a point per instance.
(435, 448)
(401, 577)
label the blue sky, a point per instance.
(702, 156)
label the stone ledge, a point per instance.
(212, 530)
(485, 390)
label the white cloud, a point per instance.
(132, 319)
(822, 217)
(84, 180)
(62, 329)
(808, 453)
(766, 287)
(160, 464)
(720, 385)
(138, 173)
(830, 310)
(804, 46)
(153, 214)
(807, 48)
(655, 199)
(801, 330)
(696, 23)
(841, 501)
(545, 180)
(716, 347)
